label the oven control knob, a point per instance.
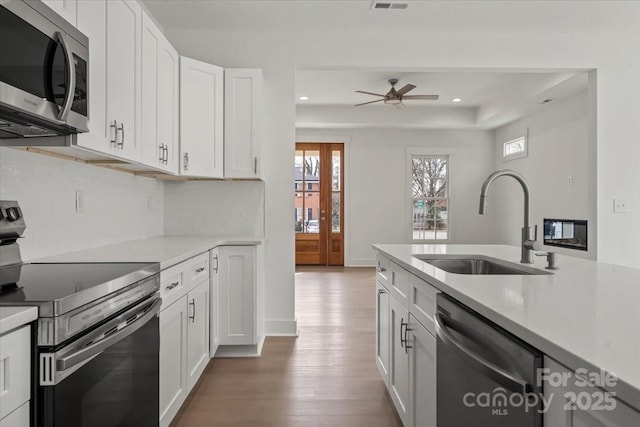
(13, 214)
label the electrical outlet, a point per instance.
(620, 206)
(149, 203)
(80, 201)
(569, 180)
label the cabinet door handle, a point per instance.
(121, 128)
(114, 132)
(186, 161)
(200, 270)
(161, 158)
(402, 325)
(216, 267)
(381, 291)
(404, 340)
(166, 154)
(382, 269)
(193, 316)
(173, 285)
(255, 165)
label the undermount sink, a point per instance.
(476, 264)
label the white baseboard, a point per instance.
(240, 350)
(361, 262)
(281, 328)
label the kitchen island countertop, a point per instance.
(584, 315)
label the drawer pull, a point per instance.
(200, 270)
(173, 285)
(382, 269)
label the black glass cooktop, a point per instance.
(36, 283)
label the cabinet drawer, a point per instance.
(15, 370)
(382, 270)
(197, 270)
(399, 284)
(18, 418)
(171, 287)
(422, 302)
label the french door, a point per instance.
(319, 203)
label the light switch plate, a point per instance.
(620, 206)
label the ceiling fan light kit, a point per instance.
(395, 96)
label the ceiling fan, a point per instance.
(395, 97)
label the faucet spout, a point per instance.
(528, 236)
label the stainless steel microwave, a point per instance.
(44, 63)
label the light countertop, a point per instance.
(14, 317)
(584, 315)
(166, 250)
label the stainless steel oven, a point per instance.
(107, 377)
(44, 63)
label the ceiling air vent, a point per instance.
(386, 5)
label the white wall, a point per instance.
(495, 46)
(377, 207)
(115, 203)
(558, 149)
(220, 208)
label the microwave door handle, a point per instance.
(504, 378)
(93, 349)
(70, 78)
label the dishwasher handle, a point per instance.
(490, 370)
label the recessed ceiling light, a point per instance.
(304, 98)
(456, 100)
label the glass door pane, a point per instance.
(336, 199)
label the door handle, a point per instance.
(121, 128)
(200, 270)
(216, 267)
(193, 316)
(186, 161)
(70, 80)
(114, 127)
(496, 373)
(161, 153)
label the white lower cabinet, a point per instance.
(15, 377)
(197, 332)
(382, 331)
(236, 270)
(575, 404)
(173, 359)
(399, 360)
(422, 376)
(184, 332)
(405, 347)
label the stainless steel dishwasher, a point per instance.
(486, 377)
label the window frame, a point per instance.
(519, 154)
(411, 155)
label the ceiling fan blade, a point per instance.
(426, 97)
(369, 93)
(370, 102)
(405, 89)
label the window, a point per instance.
(430, 197)
(309, 186)
(514, 149)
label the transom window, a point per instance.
(514, 149)
(430, 197)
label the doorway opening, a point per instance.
(319, 203)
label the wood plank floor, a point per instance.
(325, 377)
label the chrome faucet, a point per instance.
(528, 236)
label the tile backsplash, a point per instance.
(117, 206)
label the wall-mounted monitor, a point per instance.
(566, 233)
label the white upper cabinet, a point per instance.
(159, 111)
(92, 22)
(243, 103)
(123, 77)
(65, 8)
(201, 119)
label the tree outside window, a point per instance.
(430, 197)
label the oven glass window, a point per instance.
(30, 60)
(118, 388)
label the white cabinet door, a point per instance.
(237, 293)
(574, 404)
(399, 359)
(197, 332)
(159, 102)
(92, 22)
(123, 76)
(15, 370)
(242, 122)
(65, 8)
(382, 331)
(422, 376)
(18, 418)
(214, 334)
(173, 359)
(201, 119)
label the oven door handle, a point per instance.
(504, 378)
(124, 328)
(70, 82)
